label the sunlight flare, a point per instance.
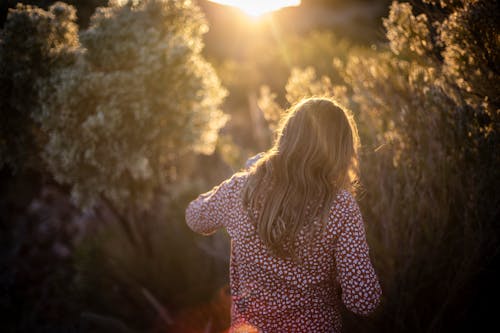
(258, 8)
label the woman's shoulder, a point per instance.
(235, 182)
(346, 199)
(239, 178)
(343, 205)
(343, 198)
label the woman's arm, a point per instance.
(210, 211)
(361, 290)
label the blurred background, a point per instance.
(115, 115)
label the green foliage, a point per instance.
(33, 45)
(428, 114)
(139, 97)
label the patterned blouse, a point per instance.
(273, 294)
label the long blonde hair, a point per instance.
(292, 185)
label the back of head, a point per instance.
(313, 157)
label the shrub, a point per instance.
(139, 97)
(121, 111)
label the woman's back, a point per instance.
(298, 242)
(278, 294)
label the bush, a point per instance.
(139, 97)
(117, 115)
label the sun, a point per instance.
(256, 8)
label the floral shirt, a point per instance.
(274, 294)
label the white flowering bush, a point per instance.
(139, 97)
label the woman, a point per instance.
(298, 245)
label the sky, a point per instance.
(257, 8)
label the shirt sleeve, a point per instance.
(210, 211)
(361, 290)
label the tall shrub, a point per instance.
(139, 97)
(431, 185)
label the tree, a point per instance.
(139, 97)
